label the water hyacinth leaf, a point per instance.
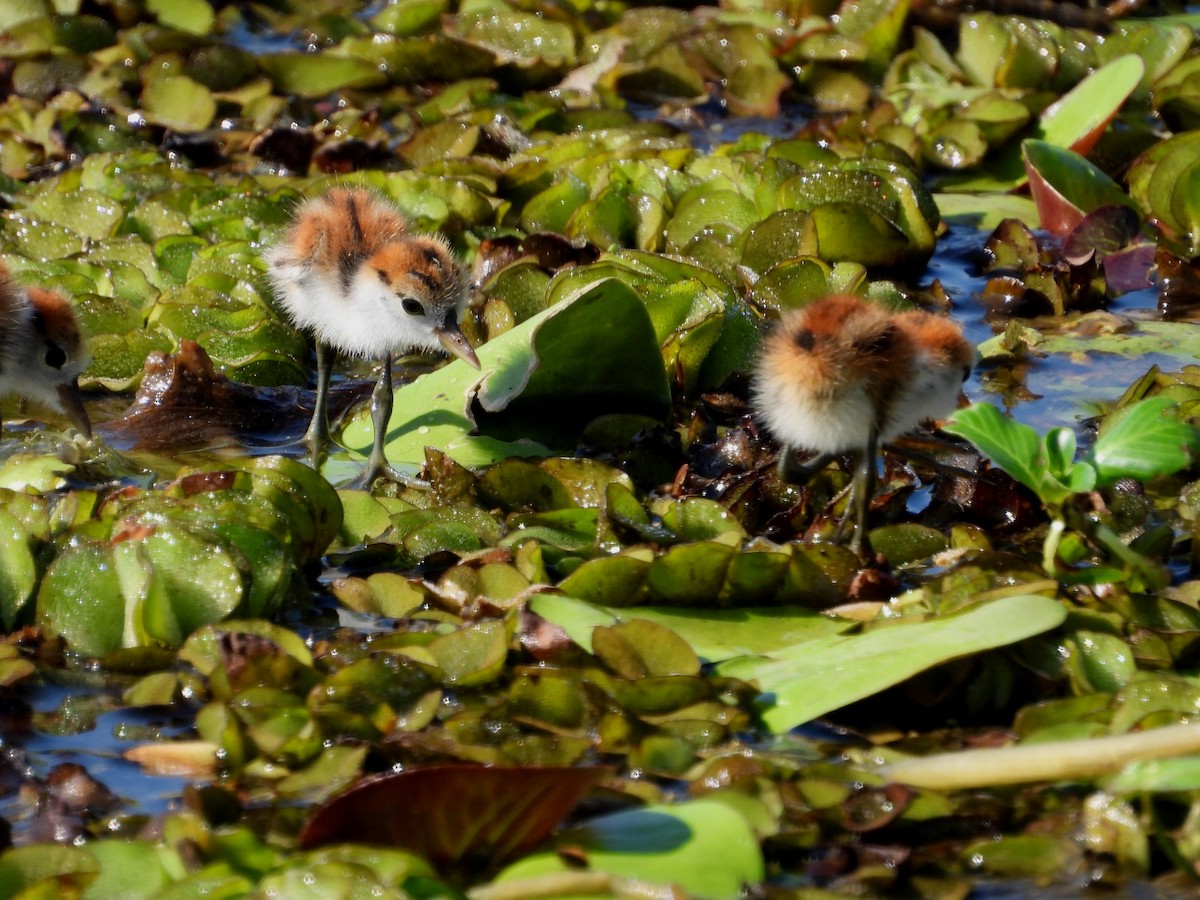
(454, 811)
(714, 634)
(179, 103)
(1012, 446)
(471, 655)
(85, 212)
(520, 38)
(14, 668)
(1154, 175)
(46, 870)
(313, 75)
(794, 283)
(1101, 233)
(375, 696)
(984, 211)
(609, 581)
(1075, 121)
(194, 16)
(1140, 441)
(81, 599)
(640, 649)
(592, 353)
(907, 542)
(704, 847)
(18, 572)
(690, 574)
(129, 869)
(1157, 775)
(1065, 186)
(1080, 116)
(798, 685)
(200, 584)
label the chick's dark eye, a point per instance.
(55, 356)
(412, 307)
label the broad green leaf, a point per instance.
(798, 685)
(1157, 775)
(45, 870)
(128, 869)
(18, 572)
(715, 634)
(1141, 442)
(587, 355)
(706, 847)
(1011, 445)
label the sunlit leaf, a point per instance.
(820, 676)
(704, 846)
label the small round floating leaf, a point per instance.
(179, 103)
(201, 582)
(907, 542)
(18, 572)
(471, 655)
(794, 283)
(641, 649)
(314, 75)
(80, 598)
(609, 581)
(194, 16)
(850, 231)
(690, 574)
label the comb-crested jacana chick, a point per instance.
(350, 272)
(42, 350)
(843, 375)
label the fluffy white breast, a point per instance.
(833, 423)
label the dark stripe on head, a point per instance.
(426, 279)
(349, 258)
(352, 212)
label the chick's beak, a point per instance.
(456, 342)
(72, 405)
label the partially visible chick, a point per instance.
(350, 272)
(843, 375)
(42, 350)
(944, 361)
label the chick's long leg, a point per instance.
(381, 413)
(316, 439)
(791, 471)
(863, 487)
